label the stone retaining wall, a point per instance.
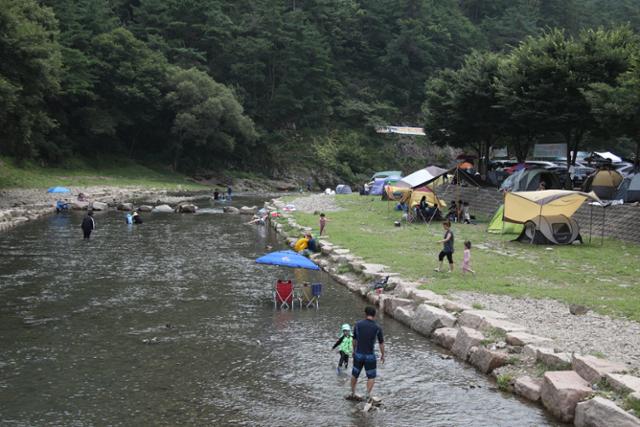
(620, 221)
(487, 340)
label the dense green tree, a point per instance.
(29, 76)
(209, 122)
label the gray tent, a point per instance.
(629, 189)
(530, 179)
(550, 229)
(343, 189)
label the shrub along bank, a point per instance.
(604, 278)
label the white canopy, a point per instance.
(421, 177)
(609, 156)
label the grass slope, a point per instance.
(82, 173)
(604, 278)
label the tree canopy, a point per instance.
(209, 84)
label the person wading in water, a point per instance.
(365, 334)
(88, 225)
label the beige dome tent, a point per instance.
(546, 214)
(604, 183)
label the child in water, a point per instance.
(466, 258)
(346, 347)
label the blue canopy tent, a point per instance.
(58, 190)
(287, 259)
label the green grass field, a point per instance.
(82, 173)
(605, 278)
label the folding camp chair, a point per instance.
(283, 294)
(310, 295)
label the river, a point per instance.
(171, 323)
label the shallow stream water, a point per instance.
(171, 323)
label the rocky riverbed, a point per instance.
(316, 203)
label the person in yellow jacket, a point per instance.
(301, 244)
(345, 343)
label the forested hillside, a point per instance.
(268, 85)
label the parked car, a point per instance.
(624, 169)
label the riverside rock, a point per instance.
(593, 369)
(125, 206)
(475, 318)
(98, 206)
(601, 412)
(623, 383)
(186, 208)
(561, 391)
(521, 339)
(232, 210)
(248, 210)
(79, 205)
(487, 360)
(145, 208)
(466, 338)
(428, 318)
(552, 359)
(528, 387)
(445, 337)
(404, 315)
(162, 209)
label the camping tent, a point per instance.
(498, 226)
(378, 187)
(608, 156)
(603, 182)
(421, 177)
(527, 205)
(550, 229)
(431, 198)
(343, 189)
(530, 179)
(395, 193)
(629, 189)
(384, 174)
(392, 180)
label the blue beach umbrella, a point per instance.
(287, 259)
(58, 190)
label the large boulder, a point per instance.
(487, 360)
(466, 339)
(404, 315)
(475, 318)
(601, 412)
(500, 325)
(125, 206)
(145, 208)
(232, 210)
(623, 383)
(561, 391)
(445, 337)
(79, 205)
(186, 208)
(552, 359)
(528, 387)
(98, 206)
(521, 339)
(429, 318)
(391, 303)
(248, 210)
(593, 369)
(162, 209)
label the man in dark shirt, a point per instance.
(365, 334)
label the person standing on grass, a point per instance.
(365, 334)
(447, 247)
(323, 223)
(466, 258)
(88, 225)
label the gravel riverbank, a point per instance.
(316, 203)
(590, 333)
